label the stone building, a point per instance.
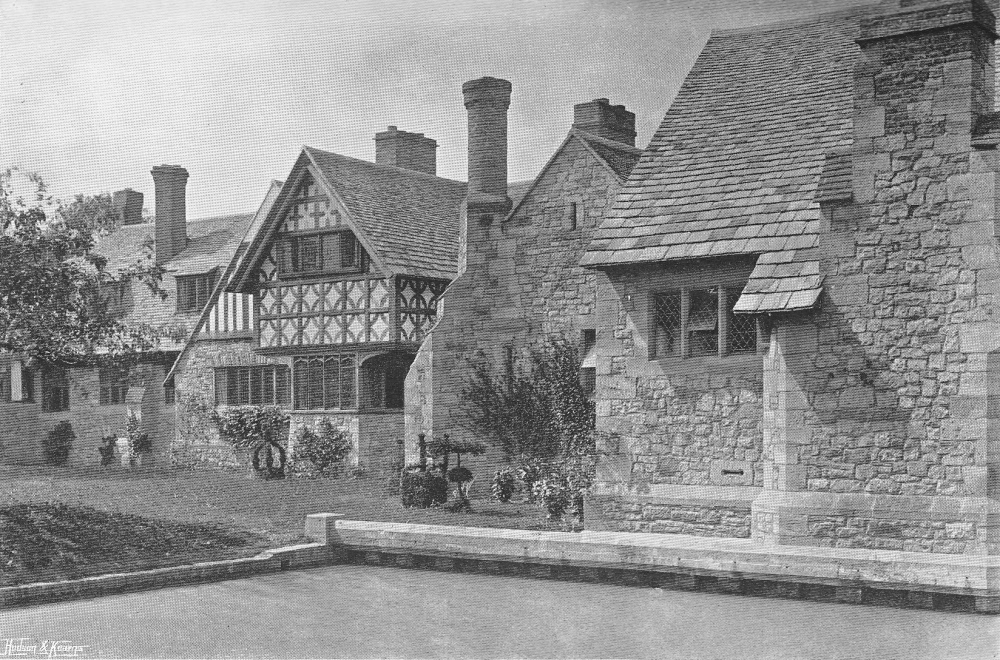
(798, 335)
(337, 288)
(35, 397)
(520, 277)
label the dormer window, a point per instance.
(193, 291)
(330, 252)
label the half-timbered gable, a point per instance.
(331, 296)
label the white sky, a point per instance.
(94, 93)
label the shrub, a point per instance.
(529, 474)
(107, 450)
(422, 489)
(139, 441)
(257, 428)
(503, 484)
(326, 447)
(57, 443)
(554, 494)
(539, 410)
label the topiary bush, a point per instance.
(325, 447)
(259, 429)
(57, 443)
(504, 484)
(422, 489)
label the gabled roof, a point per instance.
(408, 221)
(212, 242)
(256, 220)
(735, 165)
(618, 157)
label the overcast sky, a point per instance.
(94, 93)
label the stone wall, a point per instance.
(522, 281)
(197, 441)
(24, 426)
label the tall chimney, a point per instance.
(128, 205)
(171, 214)
(612, 122)
(487, 100)
(411, 151)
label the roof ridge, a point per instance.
(388, 167)
(860, 8)
(612, 144)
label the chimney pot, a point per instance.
(612, 122)
(411, 151)
(170, 229)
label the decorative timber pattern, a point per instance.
(417, 300)
(311, 210)
(231, 314)
(325, 313)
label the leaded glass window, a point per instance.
(325, 382)
(700, 321)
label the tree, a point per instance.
(58, 301)
(539, 411)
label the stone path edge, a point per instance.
(468, 549)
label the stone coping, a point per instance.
(731, 558)
(270, 561)
(733, 565)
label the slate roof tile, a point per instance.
(212, 243)
(746, 140)
(411, 217)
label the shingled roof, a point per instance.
(735, 165)
(212, 243)
(408, 220)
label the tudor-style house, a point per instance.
(344, 276)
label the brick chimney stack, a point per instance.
(171, 214)
(612, 122)
(411, 151)
(128, 205)
(487, 100)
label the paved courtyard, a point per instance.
(360, 611)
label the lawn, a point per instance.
(264, 513)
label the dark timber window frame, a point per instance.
(113, 385)
(699, 321)
(55, 388)
(194, 291)
(325, 382)
(253, 385)
(304, 254)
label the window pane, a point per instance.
(257, 387)
(742, 328)
(332, 259)
(309, 253)
(667, 328)
(314, 385)
(331, 382)
(349, 251)
(267, 386)
(281, 386)
(244, 386)
(703, 322)
(232, 391)
(301, 375)
(347, 393)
